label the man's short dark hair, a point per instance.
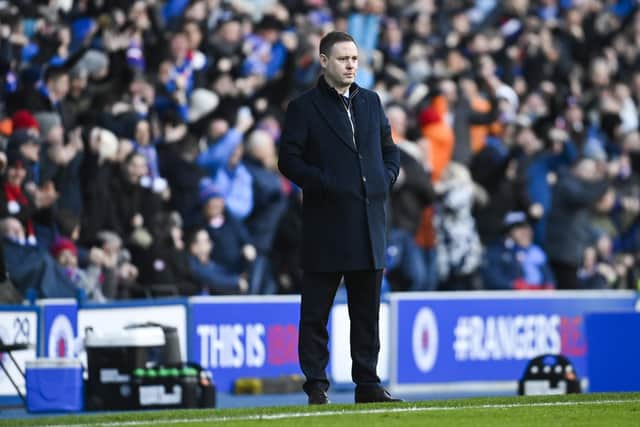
(67, 221)
(332, 38)
(53, 72)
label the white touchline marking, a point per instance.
(285, 415)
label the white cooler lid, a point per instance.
(150, 336)
(51, 362)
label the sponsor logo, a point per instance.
(252, 345)
(61, 338)
(425, 340)
(506, 337)
(572, 337)
(282, 345)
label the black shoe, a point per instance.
(374, 394)
(318, 397)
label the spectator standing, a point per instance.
(459, 251)
(232, 248)
(517, 263)
(568, 227)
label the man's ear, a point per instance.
(323, 60)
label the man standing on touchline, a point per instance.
(336, 145)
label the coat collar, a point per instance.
(327, 100)
(324, 86)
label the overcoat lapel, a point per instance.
(338, 124)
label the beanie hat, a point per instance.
(23, 119)
(94, 61)
(62, 244)
(207, 189)
(514, 219)
(48, 121)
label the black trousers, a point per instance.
(363, 299)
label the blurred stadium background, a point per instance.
(138, 151)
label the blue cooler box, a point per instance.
(54, 385)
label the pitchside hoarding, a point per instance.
(18, 325)
(339, 369)
(482, 337)
(244, 336)
(613, 363)
(59, 328)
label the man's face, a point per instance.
(522, 235)
(67, 258)
(214, 207)
(179, 46)
(137, 168)
(31, 151)
(60, 86)
(341, 65)
(16, 174)
(398, 121)
(111, 247)
(449, 90)
(586, 170)
(164, 72)
(12, 229)
(231, 32)
(527, 139)
(55, 135)
(202, 244)
(217, 128)
(194, 35)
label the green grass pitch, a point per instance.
(602, 409)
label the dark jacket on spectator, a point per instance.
(32, 267)
(506, 194)
(269, 205)
(228, 241)
(130, 199)
(165, 264)
(99, 209)
(287, 244)
(183, 177)
(411, 196)
(213, 278)
(464, 117)
(505, 267)
(568, 227)
(66, 179)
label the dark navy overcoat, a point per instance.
(345, 178)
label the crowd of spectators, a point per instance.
(139, 142)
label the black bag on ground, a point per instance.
(549, 374)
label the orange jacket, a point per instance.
(439, 134)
